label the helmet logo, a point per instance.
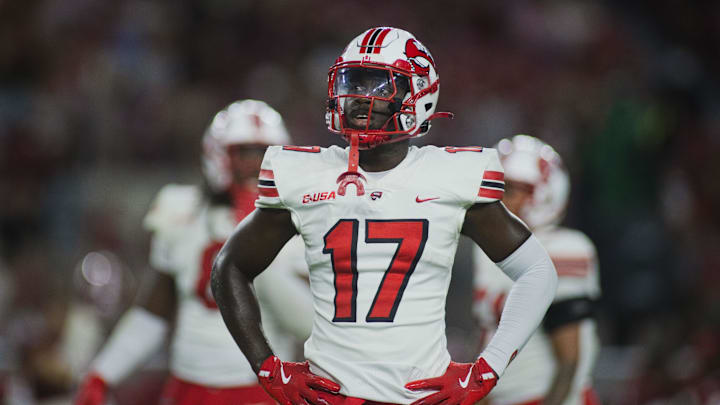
(419, 57)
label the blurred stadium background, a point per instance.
(103, 102)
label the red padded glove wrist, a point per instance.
(92, 391)
(293, 383)
(462, 383)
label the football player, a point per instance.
(189, 226)
(380, 241)
(555, 367)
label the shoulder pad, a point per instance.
(283, 168)
(474, 172)
(174, 205)
(566, 242)
(572, 252)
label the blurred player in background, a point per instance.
(381, 243)
(555, 367)
(190, 225)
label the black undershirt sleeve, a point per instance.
(568, 311)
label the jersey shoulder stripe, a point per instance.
(289, 171)
(266, 184)
(493, 185)
(478, 176)
(174, 205)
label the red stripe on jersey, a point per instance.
(570, 273)
(492, 175)
(572, 266)
(363, 45)
(380, 39)
(267, 174)
(490, 193)
(572, 261)
(268, 191)
(455, 149)
(479, 294)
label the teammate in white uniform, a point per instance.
(555, 367)
(381, 244)
(189, 226)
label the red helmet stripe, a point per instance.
(363, 45)
(373, 38)
(380, 40)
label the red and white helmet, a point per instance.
(529, 160)
(244, 122)
(395, 67)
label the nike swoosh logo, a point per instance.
(463, 384)
(419, 200)
(285, 379)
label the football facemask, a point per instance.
(383, 88)
(370, 102)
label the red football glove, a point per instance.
(462, 383)
(92, 391)
(293, 383)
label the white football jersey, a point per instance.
(187, 234)
(379, 263)
(529, 376)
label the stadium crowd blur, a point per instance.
(102, 102)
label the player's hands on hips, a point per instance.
(462, 383)
(293, 383)
(92, 391)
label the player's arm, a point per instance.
(565, 341)
(249, 250)
(508, 243)
(138, 334)
(281, 287)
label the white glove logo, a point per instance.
(285, 379)
(464, 384)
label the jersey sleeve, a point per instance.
(173, 205)
(269, 195)
(575, 260)
(492, 182)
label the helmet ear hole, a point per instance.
(428, 106)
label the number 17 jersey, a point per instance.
(379, 263)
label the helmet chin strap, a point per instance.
(351, 176)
